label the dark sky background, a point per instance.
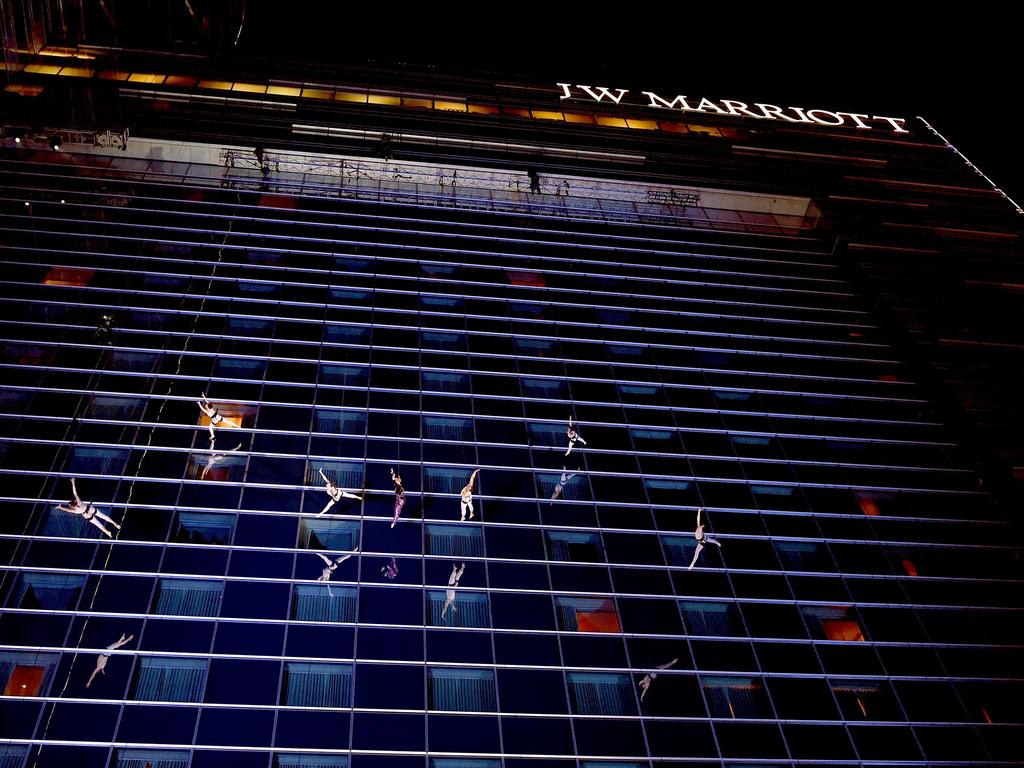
(961, 73)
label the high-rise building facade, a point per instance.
(576, 324)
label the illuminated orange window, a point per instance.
(541, 115)
(69, 276)
(235, 415)
(614, 122)
(573, 117)
(842, 629)
(643, 125)
(869, 504)
(515, 111)
(25, 680)
(833, 622)
(532, 279)
(670, 127)
(705, 129)
(483, 109)
(888, 377)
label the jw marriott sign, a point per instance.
(737, 108)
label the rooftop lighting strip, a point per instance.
(972, 166)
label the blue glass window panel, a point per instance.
(333, 422)
(345, 375)
(447, 428)
(723, 396)
(445, 479)
(549, 434)
(240, 368)
(347, 334)
(455, 342)
(749, 440)
(575, 547)
(437, 381)
(455, 541)
(50, 591)
(68, 526)
(470, 609)
(258, 288)
(463, 762)
(679, 549)
(14, 400)
(348, 295)
(169, 679)
(205, 527)
(576, 487)
(135, 362)
(772, 490)
(800, 555)
(442, 302)
(310, 761)
(13, 755)
(245, 326)
(97, 461)
(352, 264)
(627, 353)
(124, 408)
(318, 685)
(150, 321)
(657, 435)
(536, 348)
(330, 535)
(667, 491)
(601, 694)
(461, 690)
(710, 618)
(151, 758)
(548, 389)
(189, 597)
(345, 474)
(323, 602)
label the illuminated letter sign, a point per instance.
(732, 108)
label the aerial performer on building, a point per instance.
(701, 540)
(88, 512)
(336, 493)
(466, 496)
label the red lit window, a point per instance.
(278, 201)
(909, 567)
(25, 680)
(588, 615)
(532, 279)
(69, 276)
(842, 629)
